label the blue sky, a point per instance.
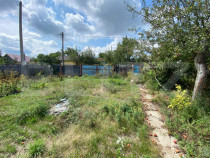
(98, 24)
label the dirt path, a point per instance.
(159, 134)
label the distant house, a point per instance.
(15, 59)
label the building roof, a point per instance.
(18, 58)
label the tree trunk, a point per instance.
(201, 75)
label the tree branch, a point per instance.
(156, 77)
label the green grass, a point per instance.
(191, 125)
(101, 111)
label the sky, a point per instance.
(96, 24)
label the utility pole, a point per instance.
(62, 35)
(21, 37)
(62, 57)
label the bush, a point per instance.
(9, 83)
(37, 148)
(181, 99)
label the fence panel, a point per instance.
(4, 68)
(89, 70)
(72, 70)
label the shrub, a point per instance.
(9, 83)
(181, 99)
(37, 148)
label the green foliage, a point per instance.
(38, 85)
(117, 81)
(52, 58)
(10, 149)
(179, 31)
(9, 83)
(38, 111)
(128, 115)
(73, 55)
(91, 130)
(123, 53)
(148, 77)
(110, 87)
(37, 148)
(2, 62)
(88, 57)
(177, 28)
(181, 99)
(190, 125)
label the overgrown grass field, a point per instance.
(105, 119)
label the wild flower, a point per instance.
(181, 99)
(120, 142)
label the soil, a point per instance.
(159, 133)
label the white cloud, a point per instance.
(8, 7)
(109, 17)
(88, 20)
(77, 23)
(31, 44)
(110, 46)
(44, 47)
(43, 19)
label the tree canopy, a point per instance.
(123, 53)
(52, 58)
(180, 31)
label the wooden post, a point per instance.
(62, 35)
(21, 41)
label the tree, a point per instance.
(123, 53)
(52, 58)
(181, 30)
(73, 55)
(88, 57)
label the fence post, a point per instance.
(80, 69)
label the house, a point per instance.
(15, 59)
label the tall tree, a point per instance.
(73, 55)
(181, 30)
(123, 53)
(88, 57)
(52, 58)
